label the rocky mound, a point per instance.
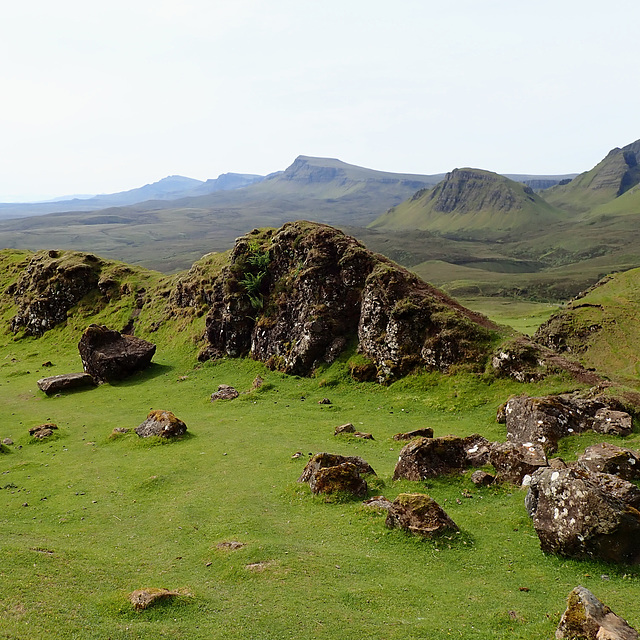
(296, 297)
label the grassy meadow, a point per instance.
(86, 518)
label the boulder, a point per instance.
(578, 513)
(161, 423)
(363, 435)
(65, 382)
(513, 462)
(609, 458)
(521, 359)
(482, 478)
(7, 441)
(430, 457)
(324, 460)
(586, 618)
(43, 430)
(224, 392)
(377, 502)
(427, 432)
(344, 428)
(612, 422)
(419, 514)
(343, 477)
(109, 355)
(144, 598)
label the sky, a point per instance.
(100, 97)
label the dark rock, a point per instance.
(482, 478)
(294, 298)
(257, 383)
(144, 598)
(361, 434)
(586, 618)
(427, 432)
(43, 430)
(513, 461)
(612, 422)
(609, 458)
(344, 428)
(324, 460)
(109, 356)
(161, 423)
(65, 382)
(340, 478)
(430, 457)
(522, 359)
(48, 363)
(578, 513)
(420, 515)
(324, 401)
(224, 392)
(377, 502)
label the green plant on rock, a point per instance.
(259, 259)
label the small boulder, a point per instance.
(482, 478)
(586, 618)
(377, 502)
(110, 356)
(257, 383)
(430, 457)
(344, 428)
(43, 430)
(161, 423)
(65, 382)
(578, 513)
(609, 458)
(224, 392)
(324, 401)
(513, 462)
(343, 477)
(144, 598)
(427, 432)
(419, 514)
(363, 435)
(324, 460)
(7, 441)
(612, 422)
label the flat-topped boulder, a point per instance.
(513, 462)
(420, 515)
(324, 460)
(108, 355)
(65, 382)
(343, 478)
(610, 458)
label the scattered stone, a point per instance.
(361, 434)
(257, 383)
(144, 598)
(578, 513)
(344, 428)
(377, 502)
(231, 545)
(513, 461)
(427, 432)
(482, 478)
(296, 455)
(118, 431)
(224, 392)
(430, 457)
(343, 477)
(48, 363)
(419, 514)
(161, 423)
(43, 430)
(609, 458)
(7, 441)
(586, 618)
(65, 382)
(324, 401)
(109, 355)
(324, 460)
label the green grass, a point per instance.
(107, 515)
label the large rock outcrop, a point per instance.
(108, 355)
(296, 297)
(578, 513)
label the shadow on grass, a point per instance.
(154, 370)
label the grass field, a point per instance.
(85, 518)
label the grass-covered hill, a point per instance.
(475, 203)
(92, 514)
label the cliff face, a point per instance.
(294, 298)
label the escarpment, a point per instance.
(296, 297)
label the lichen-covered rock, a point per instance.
(427, 432)
(609, 458)
(419, 514)
(578, 513)
(430, 457)
(65, 382)
(344, 428)
(323, 460)
(513, 461)
(224, 392)
(108, 355)
(294, 298)
(143, 598)
(521, 359)
(344, 478)
(611, 422)
(161, 423)
(43, 431)
(586, 618)
(51, 284)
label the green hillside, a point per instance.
(474, 202)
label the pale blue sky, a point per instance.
(102, 97)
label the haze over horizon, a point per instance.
(105, 98)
